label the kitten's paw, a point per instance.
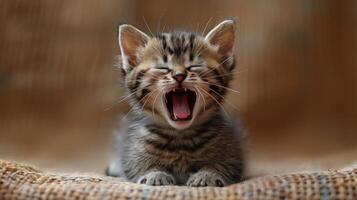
(206, 178)
(157, 178)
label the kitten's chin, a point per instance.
(180, 125)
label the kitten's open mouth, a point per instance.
(180, 103)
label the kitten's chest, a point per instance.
(177, 151)
(178, 161)
(178, 155)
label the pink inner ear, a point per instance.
(131, 41)
(224, 39)
(130, 46)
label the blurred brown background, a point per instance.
(297, 73)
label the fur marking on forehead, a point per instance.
(178, 43)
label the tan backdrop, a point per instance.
(296, 73)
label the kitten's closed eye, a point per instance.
(193, 68)
(163, 70)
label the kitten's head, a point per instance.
(177, 78)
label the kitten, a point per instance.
(176, 133)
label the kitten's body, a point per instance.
(189, 141)
(145, 146)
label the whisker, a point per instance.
(153, 107)
(132, 108)
(158, 27)
(201, 50)
(230, 89)
(206, 72)
(151, 93)
(204, 29)
(146, 97)
(159, 50)
(197, 27)
(147, 26)
(133, 81)
(229, 103)
(201, 96)
(163, 28)
(224, 110)
(227, 74)
(156, 78)
(126, 97)
(162, 103)
(121, 100)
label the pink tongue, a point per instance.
(181, 108)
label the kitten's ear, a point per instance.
(131, 42)
(222, 36)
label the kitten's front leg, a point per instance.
(157, 178)
(207, 177)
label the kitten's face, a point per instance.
(177, 78)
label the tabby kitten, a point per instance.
(176, 132)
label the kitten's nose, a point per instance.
(179, 77)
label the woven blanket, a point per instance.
(18, 181)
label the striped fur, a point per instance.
(152, 149)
